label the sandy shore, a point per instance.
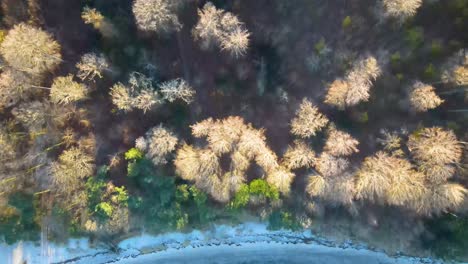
(245, 243)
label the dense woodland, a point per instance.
(349, 118)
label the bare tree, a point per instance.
(387, 179)
(442, 198)
(456, 69)
(340, 143)
(139, 93)
(14, 86)
(159, 142)
(32, 115)
(156, 15)
(98, 21)
(436, 151)
(401, 9)
(435, 145)
(91, 66)
(299, 155)
(121, 97)
(177, 89)
(308, 120)
(27, 48)
(356, 86)
(207, 30)
(330, 166)
(64, 90)
(336, 94)
(423, 97)
(221, 28)
(243, 144)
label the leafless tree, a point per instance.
(423, 97)
(30, 49)
(177, 89)
(92, 65)
(400, 9)
(158, 143)
(64, 90)
(156, 15)
(221, 28)
(308, 120)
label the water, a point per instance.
(267, 253)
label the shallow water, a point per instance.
(266, 253)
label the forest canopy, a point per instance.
(162, 115)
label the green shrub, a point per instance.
(395, 59)
(133, 154)
(436, 48)
(320, 46)
(282, 220)
(241, 198)
(17, 219)
(449, 236)
(104, 209)
(430, 72)
(346, 22)
(257, 187)
(414, 37)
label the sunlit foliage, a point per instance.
(308, 120)
(356, 85)
(93, 17)
(340, 143)
(92, 65)
(64, 90)
(30, 49)
(436, 151)
(221, 28)
(138, 93)
(401, 9)
(299, 155)
(158, 143)
(423, 97)
(456, 69)
(177, 89)
(156, 15)
(229, 137)
(391, 180)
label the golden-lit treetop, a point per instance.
(388, 179)
(340, 143)
(442, 198)
(30, 49)
(330, 166)
(157, 144)
(308, 120)
(242, 144)
(299, 155)
(92, 65)
(156, 15)
(423, 97)
(222, 28)
(435, 145)
(64, 90)
(356, 86)
(401, 9)
(336, 94)
(456, 69)
(92, 16)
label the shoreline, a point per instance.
(220, 238)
